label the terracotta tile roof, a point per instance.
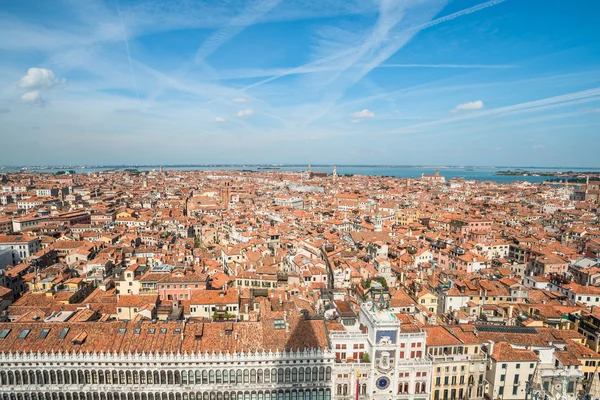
(137, 337)
(505, 352)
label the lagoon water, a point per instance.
(470, 173)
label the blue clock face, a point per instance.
(383, 382)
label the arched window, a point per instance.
(321, 373)
(211, 376)
(423, 387)
(238, 376)
(294, 375)
(363, 389)
(339, 389)
(288, 375)
(232, 376)
(328, 374)
(253, 376)
(301, 374)
(273, 375)
(259, 379)
(315, 374)
(218, 376)
(246, 376)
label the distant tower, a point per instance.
(335, 174)
(225, 195)
(145, 184)
(309, 169)
(378, 222)
(587, 183)
(161, 169)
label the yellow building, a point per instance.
(458, 364)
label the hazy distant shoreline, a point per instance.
(479, 173)
(212, 166)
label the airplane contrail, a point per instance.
(333, 57)
(137, 93)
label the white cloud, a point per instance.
(245, 113)
(240, 100)
(32, 97)
(39, 78)
(471, 105)
(220, 120)
(355, 121)
(363, 114)
(591, 110)
(539, 146)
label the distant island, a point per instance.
(556, 176)
(527, 173)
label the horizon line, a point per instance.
(82, 166)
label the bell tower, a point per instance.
(225, 195)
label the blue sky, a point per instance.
(452, 82)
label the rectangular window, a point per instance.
(24, 333)
(515, 390)
(501, 390)
(516, 381)
(44, 334)
(4, 333)
(63, 333)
